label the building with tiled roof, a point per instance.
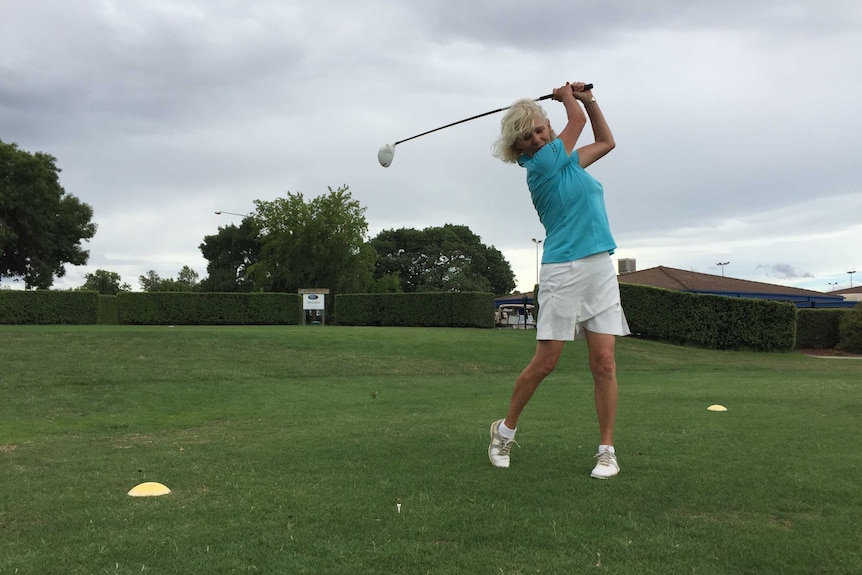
(849, 294)
(695, 282)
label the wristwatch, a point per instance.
(591, 100)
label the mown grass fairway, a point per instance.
(286, 449)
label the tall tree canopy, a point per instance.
(448, 258)
(290, 243)
(41, 227)
(187, 280)
(151, 281)
(319, 243)
(230, 252)
(105, 282)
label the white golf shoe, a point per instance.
(498, 450)
(606, 465)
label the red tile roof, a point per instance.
(681, 280)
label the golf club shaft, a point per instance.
(545, 97)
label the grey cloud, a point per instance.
(784, 271)
(161, 112)
(544, 24)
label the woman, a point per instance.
(579, 294)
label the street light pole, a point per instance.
(851, 277)
(219, 212)
(832, 285)
(722, 264)
(537, 242)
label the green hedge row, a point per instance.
(839, 328)
(675, 317)
(467, 309)
(108, 310)
(48, 307)
(710, 321)
(819, 328)
(191, 308)
(850, 330)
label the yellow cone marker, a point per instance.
(149, 489)
(717, 407)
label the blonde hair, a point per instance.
(517, 122)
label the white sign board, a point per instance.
(313, 301)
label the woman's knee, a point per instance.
(603, 364)
(547, 355)
(545, 365)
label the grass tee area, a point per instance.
(287, 448)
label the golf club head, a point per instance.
(385, 155)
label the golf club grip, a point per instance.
(549, 96)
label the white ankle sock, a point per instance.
(606, 448)
(505, 431)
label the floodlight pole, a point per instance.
(851, 277)
(721, 265)
(537, 242)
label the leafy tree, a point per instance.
(390, 283)
(105, 282)
(448, 258)
(187, 280)
(41, 227)
(319, 243)
(230, 253)
(151, 281)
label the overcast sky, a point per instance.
(737, 123)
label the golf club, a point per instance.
(386, 153)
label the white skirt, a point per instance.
(580, 295)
